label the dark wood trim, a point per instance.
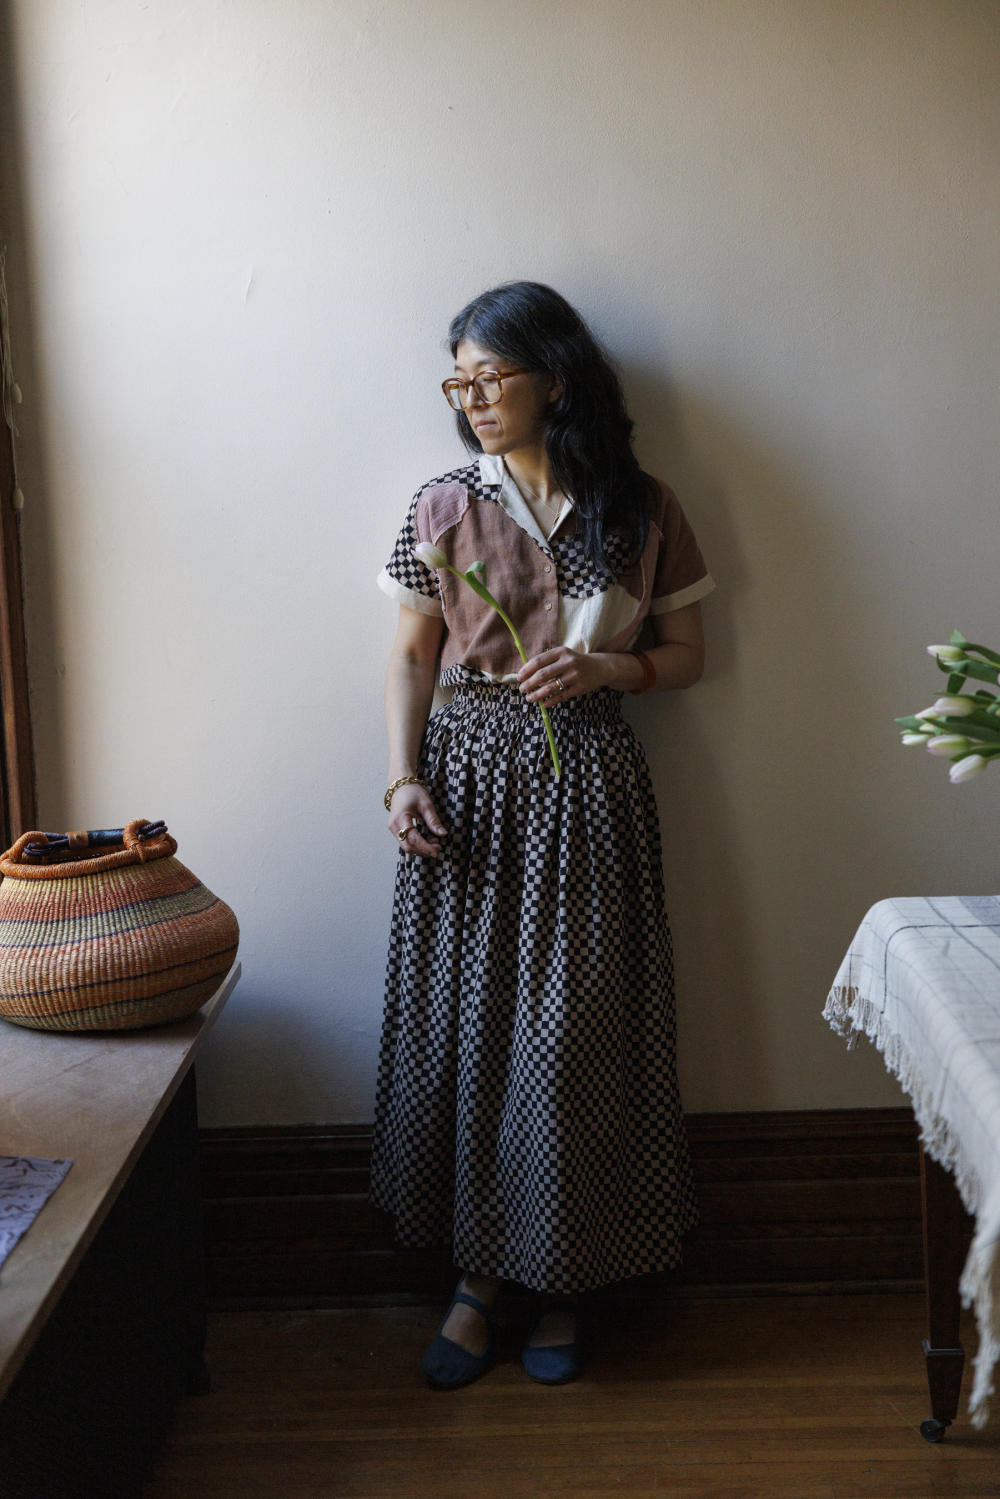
(17, 803)
(797, 1201)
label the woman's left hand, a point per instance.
(557, 675)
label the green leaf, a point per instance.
(983, 650)
(981, 672)
(974, 726)
(911, 723)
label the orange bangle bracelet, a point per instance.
(648, 674)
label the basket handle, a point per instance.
(133, 836)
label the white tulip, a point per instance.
(964, 769)
(430, 556)
(946, 744)
(914, 738)
(954, 707)
(950, 653)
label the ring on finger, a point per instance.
(560, 684)
(404, 833)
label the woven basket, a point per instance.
(107, 931)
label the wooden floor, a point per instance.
(776, 1398)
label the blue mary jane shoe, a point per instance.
(559, 1364)
(449, 1366)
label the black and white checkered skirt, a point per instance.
(527, 1106)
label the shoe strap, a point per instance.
(467, 1299)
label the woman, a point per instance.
(527, 1106)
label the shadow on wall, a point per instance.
(756, 804)
(703, 870)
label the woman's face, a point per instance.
(517, 420)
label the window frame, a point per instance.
(17, 767)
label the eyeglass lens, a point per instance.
(487, 387)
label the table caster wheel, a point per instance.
(932, 1430)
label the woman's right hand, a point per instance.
(411, 807)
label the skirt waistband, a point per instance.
(501, 698)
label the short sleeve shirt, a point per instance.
(551, 590)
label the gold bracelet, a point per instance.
(648, 674)
(403, 781)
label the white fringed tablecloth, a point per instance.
(922, 981)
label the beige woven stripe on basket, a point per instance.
(58, 925)
(121, 887)
(69, 987)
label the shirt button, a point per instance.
(548, 606)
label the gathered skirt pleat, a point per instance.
(527, 1109)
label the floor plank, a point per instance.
(774, 1398)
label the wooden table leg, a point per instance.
(943, 1222)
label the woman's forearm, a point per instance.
(677, 664)
(677, 657)
(678, 654)
(409, 692)
(409, 687)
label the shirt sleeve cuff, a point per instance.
(409, 596)
(690, 595)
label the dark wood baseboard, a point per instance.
(823, 1199)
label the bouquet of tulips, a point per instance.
(963, 727)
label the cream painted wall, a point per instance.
(245, 226)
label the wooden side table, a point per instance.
(921, 979)
(102, 1303)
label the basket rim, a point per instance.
(133, 852)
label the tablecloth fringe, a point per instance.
(980, 1288)
(850, 1014)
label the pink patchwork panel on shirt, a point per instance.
(441, 506)
(469, 529)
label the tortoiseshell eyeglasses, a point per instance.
(488, 385)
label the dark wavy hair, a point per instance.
(588, 436)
